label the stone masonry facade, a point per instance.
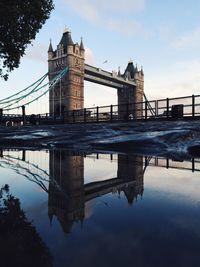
(69, 93)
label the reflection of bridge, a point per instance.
(68, 171)
(184, 165)
(29, 170)
(64, 181)
(65, 186)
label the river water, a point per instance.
(98, 209)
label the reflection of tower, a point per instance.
(130, 169)
(66, 203)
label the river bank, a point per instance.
(171, 138)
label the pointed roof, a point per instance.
(130, 194)
(119, 72)
(66, 39)
(50, 215)
(81, 44)
(130, 70)
(50, 47)
(142, 72)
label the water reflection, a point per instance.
(68, 204)
(104, 192)
(20, 243)
(60, 173)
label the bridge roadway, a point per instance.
(111, 79)
(103, 77)
(96, 189)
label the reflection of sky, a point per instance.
(97, 170)
(177, 184)
(20, 187)
(162, 229)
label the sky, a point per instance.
(161, 36)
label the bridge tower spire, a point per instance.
(69, 93)
(131, 94)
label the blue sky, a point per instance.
(162, 36)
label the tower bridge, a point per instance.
(67, 72)
(69, 94)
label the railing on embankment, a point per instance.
(187, 107)
(170, 108)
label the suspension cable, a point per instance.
(20, 97)
(51, 84)
(42, 78)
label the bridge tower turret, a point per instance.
(139, 93)
(50, 57)
(69, 93)
(131, 94)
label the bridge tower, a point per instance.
(132, 94)
(67, 203)
(69, 93)
(130, 169)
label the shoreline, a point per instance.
(175, 138)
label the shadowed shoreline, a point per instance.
(156, 138)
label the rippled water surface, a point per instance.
(98, 210)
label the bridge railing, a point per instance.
(169, 108)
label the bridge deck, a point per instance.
(97, 75)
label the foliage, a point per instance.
(20, 244)
(19, 23)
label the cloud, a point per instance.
(188, 40)
(181, 78)
(166, 32)
(89, 56)
(87, 11)
(38, 52)
(104, 13)
(127, 27)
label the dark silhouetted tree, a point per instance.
(19, 23)
(20, 244)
